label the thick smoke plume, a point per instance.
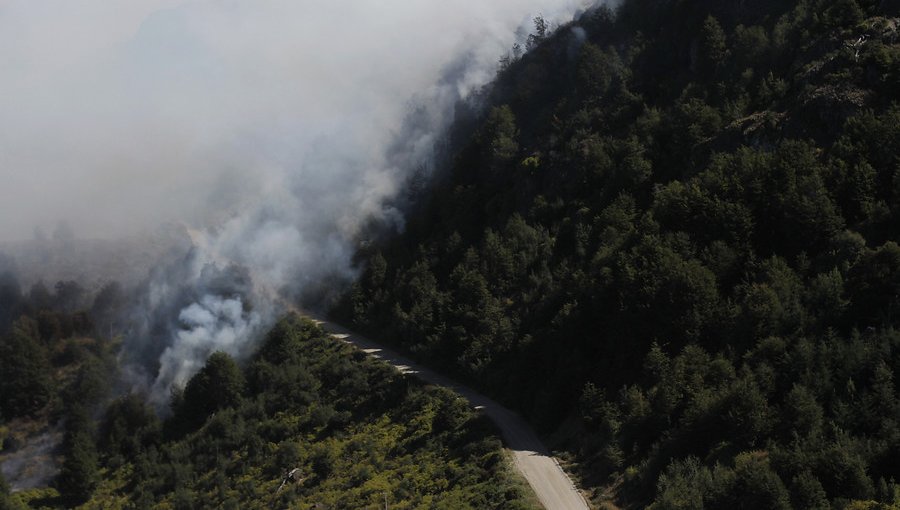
(275, 130)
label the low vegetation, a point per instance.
(309, 422)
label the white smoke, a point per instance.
(277, 129)
(212, 324)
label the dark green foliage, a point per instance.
(7, 501)
(680, 233)
(55, 374)
(26, 385)
(80, 471)
(128, 428)
(11, 300)
(107, 306)
(807, 493)
(756, 485)
(843, 13)
(875, 285)
(355, 430)
(713, 46)
(500, 135)
(218, 385)
(749, 485)
(596, 71)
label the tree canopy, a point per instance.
(675, 224)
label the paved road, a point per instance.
(553, 488)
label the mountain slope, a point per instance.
(671, 239)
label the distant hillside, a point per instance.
(92, 262)
(671, 241)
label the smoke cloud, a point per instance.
(276, 130)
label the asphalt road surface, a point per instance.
(553, 488)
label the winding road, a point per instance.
(553, 488)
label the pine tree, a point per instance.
(26, 385)
(80, 472)
(218, 385)
(713, 46)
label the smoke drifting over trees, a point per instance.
(270, 128)
(126, 116)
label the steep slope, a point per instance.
(671, 239)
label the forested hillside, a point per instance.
(308, 423)
(55, 372)
(671, 241)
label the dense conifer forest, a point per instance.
(670, 240)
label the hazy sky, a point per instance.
(275, 129)
(116, 115)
